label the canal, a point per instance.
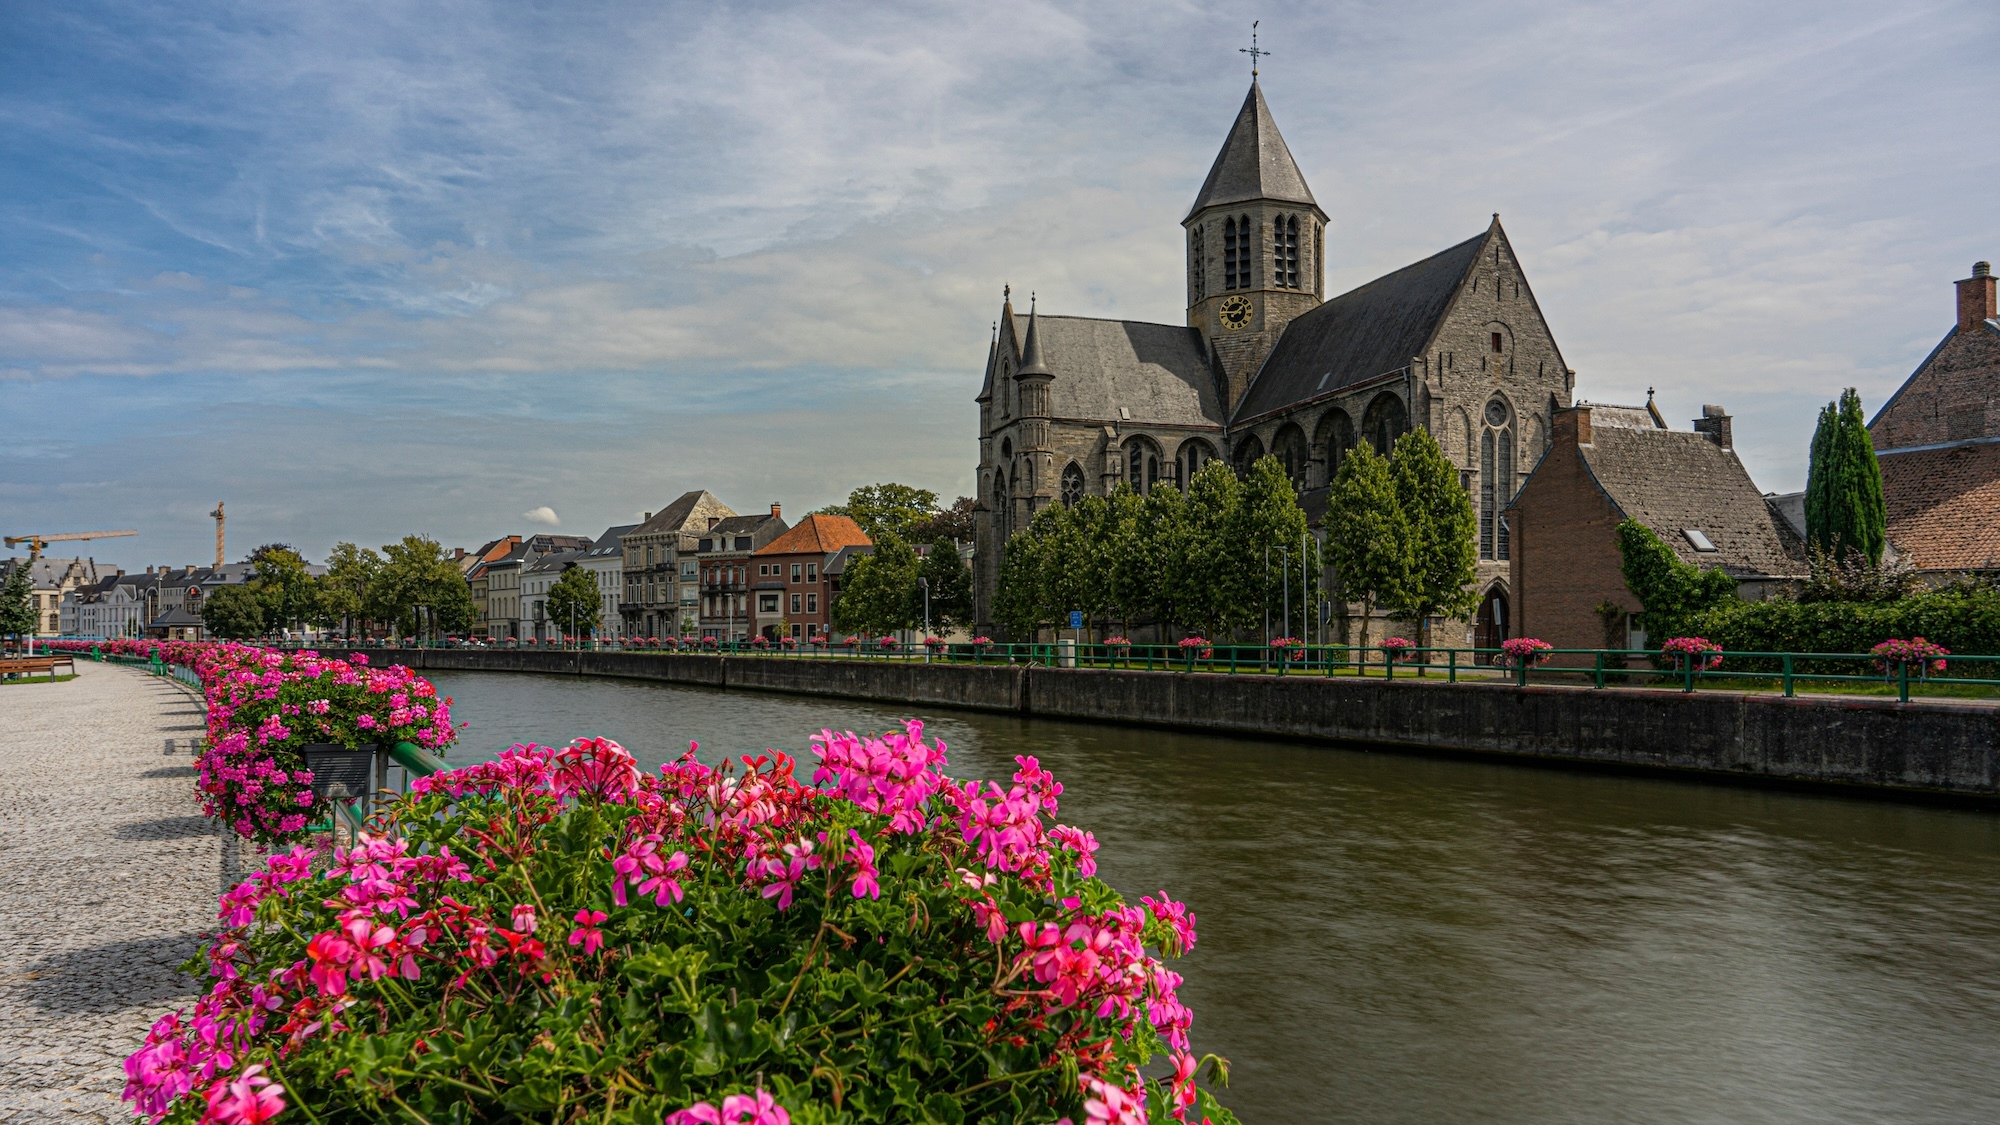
(1387, 938)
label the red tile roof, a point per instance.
(818, 534)
(1944, 505)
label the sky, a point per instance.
(466, 269)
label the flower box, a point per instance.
(340, 773)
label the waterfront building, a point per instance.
(179, 601)
(794, 585)
(606, 563)
(659, 568)
(508, 617)
(1455, 343)
(1610, 463)
(1938, 441)
(536, 579)
(723, 557)
(53, 579)
(474, 566)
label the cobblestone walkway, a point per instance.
(108, 877)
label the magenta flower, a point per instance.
(586, 933)
(249, 1099)
(524, 919)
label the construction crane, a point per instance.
(217, 516)
(37, 542)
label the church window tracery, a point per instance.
(1384, 422)
(1285, 252)
(1496, 480)
(1337, 434)
(1072, 485)
(1193, 455)
(1290, 447)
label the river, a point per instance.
(1389, 938)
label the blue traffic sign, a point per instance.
(1076, 619)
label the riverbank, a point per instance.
(1927, 749)
(108, 875)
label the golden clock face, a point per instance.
(1236, 313)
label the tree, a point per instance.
(234, 613)
(1268, 533)
(18, 616)
(955, 522)
(877, 591)
(1845, 513)
(287, 589)
(1367, 536)
(575, 604)
(343, 590)
(1155, 575)
(950, 585)
(1444, 560)
(1672, 592)
(887, 509)
(418, 572)
(1211, 565)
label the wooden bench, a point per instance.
(37, 665)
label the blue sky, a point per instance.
(361, 269)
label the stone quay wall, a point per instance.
(1865, 744)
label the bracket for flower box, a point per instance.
(340, 773)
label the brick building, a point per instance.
(1455, 343)
(1938, 441)
(1610, 463)
(723, 554)
(796, 580)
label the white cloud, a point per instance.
(543, 514)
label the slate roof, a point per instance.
(1254, 162)
(1944, 504)
(838, 563)
(1673, 480)
(674, 517)
(1365, 332)
(555, 561)
(1159, 372)
(1645, 417)
(610, 543)
(818, 534)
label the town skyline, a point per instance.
(768, 270)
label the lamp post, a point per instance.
(924, 584)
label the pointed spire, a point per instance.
(1254, 162)
(1031, 350)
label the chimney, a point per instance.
(712, 521)
(649, 516)
(777, 510)
(1976, 298)
(1572, 425)
(1714, 422)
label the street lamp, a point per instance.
(924, 584)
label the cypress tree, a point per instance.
(1844, 507)
(1444, 558)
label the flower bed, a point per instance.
(1706, 654)
(558, 936)
(265, 707)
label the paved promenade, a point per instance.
(108, 877)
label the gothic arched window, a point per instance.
(1072, 485)
(1337, 434)
(1290, 447)
(1384, 422)
(1002, 509)
(1285, 252)
(1193, 455)
(1496, 479)
(1197, 264)
(1152, 471)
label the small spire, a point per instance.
(1031, 350)
(1006, 292)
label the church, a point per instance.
(1268, 364)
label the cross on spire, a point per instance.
(1252, 50)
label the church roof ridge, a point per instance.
(1254, 163)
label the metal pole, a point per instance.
(1286, 569)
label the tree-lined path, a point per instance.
(108, 876)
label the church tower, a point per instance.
(1254, 242)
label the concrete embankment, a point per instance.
(1879, 745)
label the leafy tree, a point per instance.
(234, 613)
(1845, 513)
(1155, 574)
(1672, 592)
(418, 572)
(18, 616)
(1019, 602)
(1129, 575)
(343, 589)
(955, 522)
(1212, 573)
(878, 590)
(1367, 534)
(288, 591)
(887, 509)
(1268, 534)
(1444, 560)
(575, 604)
(950, 585)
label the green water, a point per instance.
(1396, 939)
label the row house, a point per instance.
(480, 582)
(797, 574)
(52, 578)
(658, 568)
(606, 563)
(536, 581)
(507, 617)
(724, 556)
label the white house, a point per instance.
(606, 563)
